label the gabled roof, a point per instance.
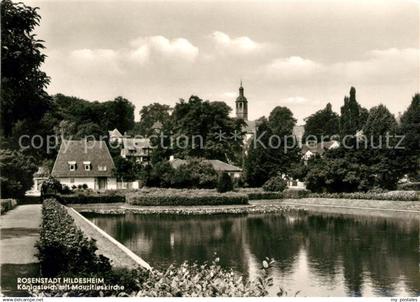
(320, 148)
(80, 151)
(42, 172)
(136, 143)
(115, 133)
(135, 146)
(218, 165)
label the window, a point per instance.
(71, 180)
(87, 165)
(101, 168)
(72, 165)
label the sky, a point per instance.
(299, 54)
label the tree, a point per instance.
(353, 116)
(410, 129)
(159, 175)
(275, 184)
(90, 130)
(281, 121)
(119, 114)
(23, 95)
(196, 173)
(16, 173)
(353, 168)
(267, 155)
(126, 170)
(149, 116)
(224, 183)
(323, 123)
(380, 122)
(206, 130)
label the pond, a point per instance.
(318, 255)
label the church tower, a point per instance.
(241, 105)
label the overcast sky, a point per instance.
(299, 54)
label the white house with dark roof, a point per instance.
(136, 148)
(82, 162)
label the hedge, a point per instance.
(295, 193)
(7, 205)
(90, 198)
(392, 195)
(185, 198)
(264, 195)
(410, 186)
(29, 200)
(63, 250)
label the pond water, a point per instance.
(318, 255)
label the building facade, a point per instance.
(81, 162)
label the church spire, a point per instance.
(241, 104)
(241, 89)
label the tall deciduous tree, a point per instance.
(323, 123)
(118, 113)
(16, 173)
(267, 156)
(23, 95)
(281, 121)
(151, 115)
(410, 129)
(353, 116)
(380, 122)
(207, 129)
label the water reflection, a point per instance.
(320, 255)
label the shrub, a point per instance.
(63, 250)
(295, 193)
(195, 173)
(17, 172)
(84, 198)
(194, 280)
(392, 195)
(410, 186)
(29, 200)
(61, 240)
(66, 190)
(275, 184)
(264, 195)
(7, 205)
(207, 280)
(184, 197)
(224, 183)
(51, 187)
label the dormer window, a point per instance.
(87, 165)
(102, 168)
(72, 165)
